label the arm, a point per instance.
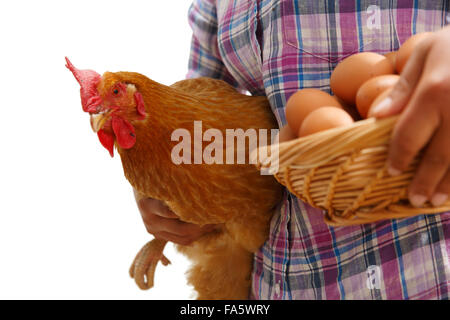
(205, 60)
(423, 97)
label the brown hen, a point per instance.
(138, 117)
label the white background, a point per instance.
(69, 226)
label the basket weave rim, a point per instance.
(297, 160)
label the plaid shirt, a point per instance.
(276, 47)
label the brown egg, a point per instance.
(286, 134)
(391, 56)
(378, 99)
(372, 89)
(407, 49)
(301, 103)
(353, 71)
(323, 119)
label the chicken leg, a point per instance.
(144, 265)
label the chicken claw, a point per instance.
(144, 265)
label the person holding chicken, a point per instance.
(252, 45)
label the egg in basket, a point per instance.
(332, 162)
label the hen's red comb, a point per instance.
(88, 80)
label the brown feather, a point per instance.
(235, 195)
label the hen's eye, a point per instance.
(116, 91)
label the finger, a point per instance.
(412, 131)
(187, 236)
(397, 100)
(432, 169)
(185, 229)
(164, 211)
(155, 223)
(442, 191)
(148, 205)
(176, 238)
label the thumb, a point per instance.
(400, 94)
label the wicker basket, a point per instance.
(343, 171)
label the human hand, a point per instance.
(422, 95)
(165, 225)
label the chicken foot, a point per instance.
(144, 265)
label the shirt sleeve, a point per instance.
(204, 59)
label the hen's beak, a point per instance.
(98, 120)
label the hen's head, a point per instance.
(114, 105)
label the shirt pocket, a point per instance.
(332, 30)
